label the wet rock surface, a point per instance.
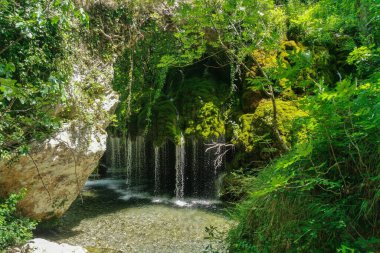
(106, 223)
(39, 245)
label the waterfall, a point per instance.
(180, 168)
(126, 158)
(164, 166)
(128, 161)
(139, 159)
(194, 166)
(114, 155)
(156, 170)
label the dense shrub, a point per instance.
(254, 130)
(324, 195)
(33, 71)
(14, 229)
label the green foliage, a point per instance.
(208, 123)
(321, 197)
(324, 194)
(323, 21)
(254, 130)
(14, 229)
(200, 107)
(365, 59)
(189, 106)
(32, 78)
(231, 26)
(332, 30)
(164, 121)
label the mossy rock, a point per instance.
(208, 123)
(251, 100)
(164, 123)
(255, 130)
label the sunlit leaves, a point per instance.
(13, 228)
(32, 37)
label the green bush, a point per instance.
(324, 195)
(255, 131)
(33, 69)
(14, 229)
(208, 123)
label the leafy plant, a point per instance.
(32, 77)
(323, 193)
(216, 241)
(14, 229)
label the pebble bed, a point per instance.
(102, 222)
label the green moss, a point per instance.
(164, 122)
(208, 122)
(256, 129)
(191, 107)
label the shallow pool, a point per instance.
(109, 216)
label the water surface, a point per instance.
(116, 217)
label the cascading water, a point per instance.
(114, 159)
(180, 168)
(194, 166)
(156, 170)
(175, 170)
(165, 167)
(128, 160)
(139, 158)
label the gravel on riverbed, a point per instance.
(103, 223)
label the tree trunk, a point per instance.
(277, 134)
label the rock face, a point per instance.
(43, 246)
(251, 100)
(55, 171)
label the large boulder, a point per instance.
(43, 246)
(54, 171)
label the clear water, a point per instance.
(116, 218)
(126, 193)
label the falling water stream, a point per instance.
(179, 170)
(157, 173)
(194, 165)
(128, 156)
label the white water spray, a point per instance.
(156, 170)
(180, 168)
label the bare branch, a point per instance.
(11, 44)
(220, 151)
(39, 175)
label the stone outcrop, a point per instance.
(43, 246)
(55, 170)
(251, 100)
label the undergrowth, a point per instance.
(324, 195)
(14, 228)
